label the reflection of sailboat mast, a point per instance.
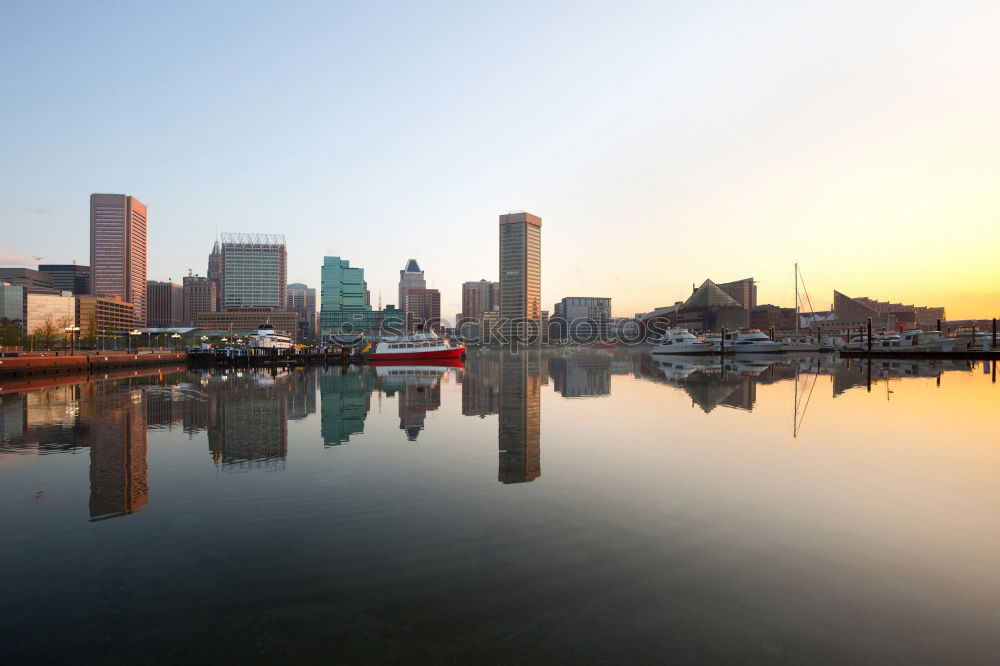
(796, 422)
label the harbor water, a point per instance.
(588, 506)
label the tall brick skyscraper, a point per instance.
(118, 249)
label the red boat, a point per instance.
(416, 347)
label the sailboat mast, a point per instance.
(796, 299)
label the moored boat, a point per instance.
(810, 343)
(267, 337)
(751, 341)
(416, 346)
(915, 340)
(681, 341)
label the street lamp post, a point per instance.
(72, 330)
(176, 336)
(132, 334)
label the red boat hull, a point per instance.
(434, 355)
(433, 362)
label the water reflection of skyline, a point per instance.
(245, 415)
(108, 418)
(732, 382)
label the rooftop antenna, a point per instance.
(380, 298)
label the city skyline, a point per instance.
(871, 166)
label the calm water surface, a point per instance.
(580, 507)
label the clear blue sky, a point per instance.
(662, 143)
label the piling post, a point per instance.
(869, 334)
(722, 341)
(868, 375)
(994, 345)
(938, 324)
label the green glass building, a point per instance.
(344, 307)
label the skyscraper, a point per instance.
(479, 297)
(118, 249)
(520, 272)
(423, 307)
(215, 275)
(411, 277)
(254, 270)
(200, 296)
(344, 307)
(302, 300)
(165, 304)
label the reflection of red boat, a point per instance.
(430, 362)
(605, 345)
(419, 347)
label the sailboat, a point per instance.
(808, 342)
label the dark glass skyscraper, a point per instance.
(520, 270)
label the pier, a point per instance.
(29, 365)
(922, 355)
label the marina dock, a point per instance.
(29, 365)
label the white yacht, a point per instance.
(751, 341)
(809, 343)
(915, 340)
(267, 338)
(681, 341)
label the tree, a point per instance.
(46, 333)
(62, 323)
(10, 334)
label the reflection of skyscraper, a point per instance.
(164, 408)
(301, 394)
(520, 418)
(249, 429)
(481, 385)
(417, 397)
(117, 438)
(345, 395)
(581, 375)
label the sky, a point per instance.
(662, 143)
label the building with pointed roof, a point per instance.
(215, 275)
(710, 308)
(411, 277)
(883, 313)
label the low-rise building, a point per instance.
(769, 316)
(883, 313)
(68, 277)
(12, 304)
(103, 316)
(246, 320)
(26, 277)
(582, 318)
(53, 311)
(347, 323)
